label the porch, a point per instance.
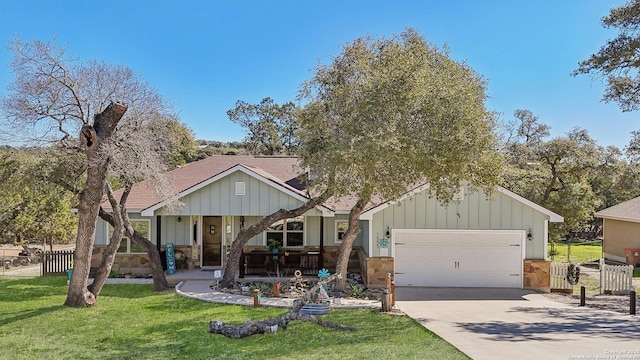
(283, 263)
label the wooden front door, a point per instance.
(212, 233)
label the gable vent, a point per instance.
(241, 188)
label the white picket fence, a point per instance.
(559, 280)
(615, 278)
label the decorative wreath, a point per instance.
(573, 274)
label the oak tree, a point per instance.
(103, 112)
(619, 59)
(389, 113)
(270, 127)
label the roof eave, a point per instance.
(553, 217)
(614, 217)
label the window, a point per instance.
(126, 245)
(287, 232)
(341, 228)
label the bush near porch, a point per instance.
(133, 322)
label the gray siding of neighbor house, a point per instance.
(474, 212)
(219, 198)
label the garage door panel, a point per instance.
(458, 258)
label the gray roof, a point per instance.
(626, 211)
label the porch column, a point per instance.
(321, 242)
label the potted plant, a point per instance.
(274, 245)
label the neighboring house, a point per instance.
(478, 240)
(620, 229)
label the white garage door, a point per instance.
(458, 258)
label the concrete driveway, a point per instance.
(520, 324)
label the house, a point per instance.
(478, 240)
(621, 230)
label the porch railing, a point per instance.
(282, 263)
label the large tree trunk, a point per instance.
(109, 254)
(245, 235)
(92, 138)
(160, 282)
(342, 264)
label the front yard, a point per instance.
(133, 322)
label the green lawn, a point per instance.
(579, 253)
(133, 322)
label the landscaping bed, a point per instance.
(295, 286)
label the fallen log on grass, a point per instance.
(272, 324)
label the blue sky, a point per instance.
(203, 56)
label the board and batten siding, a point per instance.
(219, 198)
(474, 212)
(172, 231)
(330, 231)
(102, 227)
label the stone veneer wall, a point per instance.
(136, 264)
(375, 270)
(537, 275)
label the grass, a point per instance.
(133, 322)
(579, 252)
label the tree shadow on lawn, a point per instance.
(130, 291)
(26, 314)
(30, 289)
(596, 324)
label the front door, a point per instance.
(212, 233)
